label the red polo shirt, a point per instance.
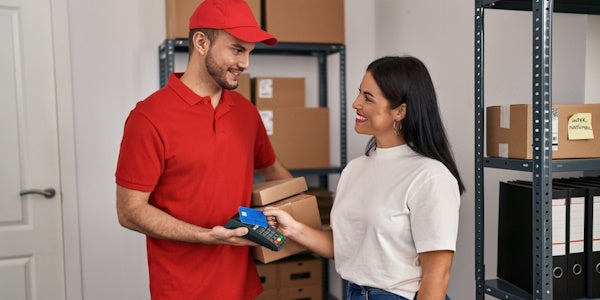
(199, 164)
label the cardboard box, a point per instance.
(324, 202)
(324, 196)
(306, 21)
(256, 7)
(314, 292)
(267, 192)
(304, 209)
(274, 92)
(298, 277)
(300, 136)
(178, 13)
(244, 86)
(268, 294)
(509, 131)
(268, 275)
(299, 271)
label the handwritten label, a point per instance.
(580, 127)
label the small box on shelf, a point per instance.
(575, 131)
(278, 92)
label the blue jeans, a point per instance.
(358, 292)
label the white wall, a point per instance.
(114, 58)
(592, 70)
(441, 35)
(115, 64)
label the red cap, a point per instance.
(232, 16)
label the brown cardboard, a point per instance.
(268, 294)
(178, 13)
(313, 292)
(273, 92)
(324, 196)
(299, 271)
(300, 136)
(306, 21)
(256, 7)
(268, 275)
(244, 86)
(267, 192)
(509, 132)
(324, 201)
(304, 209)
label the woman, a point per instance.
(395, 216)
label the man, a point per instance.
(187, 161)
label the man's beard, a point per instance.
(218, 73)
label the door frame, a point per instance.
(66, 145)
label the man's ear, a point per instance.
(200, 42)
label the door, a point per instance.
(31, 240)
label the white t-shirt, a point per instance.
(388, 207)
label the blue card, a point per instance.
(252, 216)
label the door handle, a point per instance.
(48, 192)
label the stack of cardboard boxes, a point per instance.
(299, 134)
(287, 195)
(292, 272)
(297, 277)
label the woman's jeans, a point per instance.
(358, 292)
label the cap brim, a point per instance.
(252, 35)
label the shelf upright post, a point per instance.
(166, 60)
(479, 132)
(322, 71)
(542, 151)
(343, 128)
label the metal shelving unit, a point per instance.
(542, 166)
(166, 61)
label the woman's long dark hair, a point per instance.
(406, 80)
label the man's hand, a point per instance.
(224, 236)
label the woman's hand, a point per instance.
(281, 220)
(316, 240)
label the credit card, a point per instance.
(252, 216)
